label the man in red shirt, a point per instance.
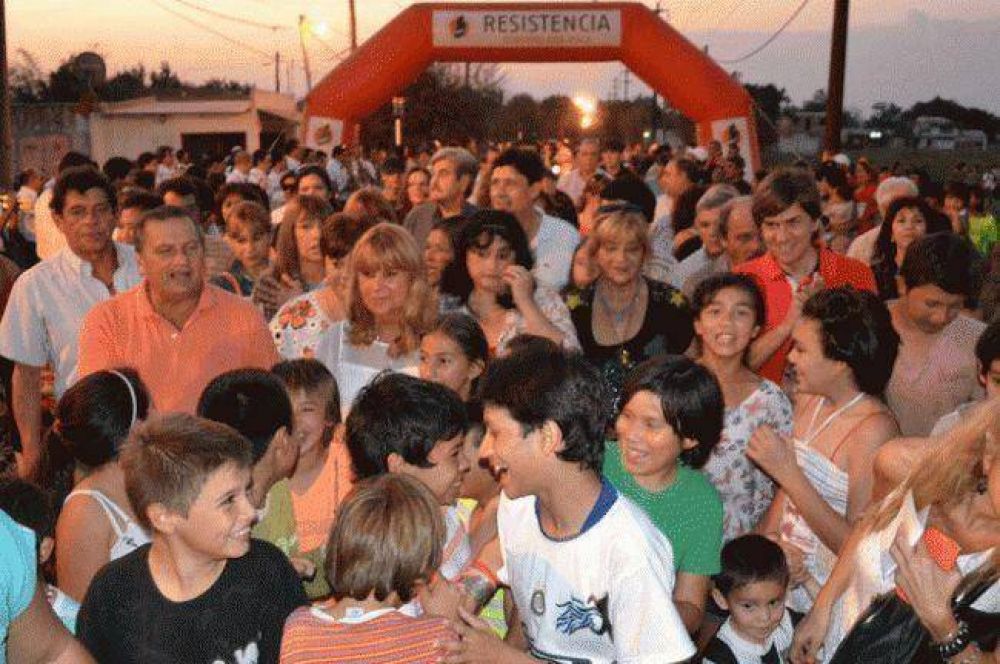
(786, 207)
(176, 330)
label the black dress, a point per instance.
(666, 328)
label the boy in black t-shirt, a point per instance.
(203, 591)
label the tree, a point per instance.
(770, 102)
(128, 84)
(440, 106)
(964, 117)
(165, 79)
(817, 102)
(27, 81)
(220, 85)
(520, 118)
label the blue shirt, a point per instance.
(18, 575)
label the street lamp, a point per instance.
(398, 110)
(587, 106)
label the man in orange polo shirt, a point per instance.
(176, 330)
(786, 207)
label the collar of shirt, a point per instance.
(206, 300)
(771, 271)
(124, 254)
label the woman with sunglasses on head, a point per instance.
(491, 278)
(624, 318)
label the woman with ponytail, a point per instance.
(96, 525)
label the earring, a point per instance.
(982, 485)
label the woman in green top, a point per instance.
(669, 423)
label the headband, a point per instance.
(131, 393)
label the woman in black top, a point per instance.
(624, 318)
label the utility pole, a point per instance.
(277, 71)
(6, 137)
(354, 25)
(303, 27)
(655, 110)
(835, 87)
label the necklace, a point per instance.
(620, 319)
(619, 315)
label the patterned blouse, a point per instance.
(551, 306)
(745, 489)
(298, 326)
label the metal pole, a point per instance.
(277, 71)
(354, 25)
(303, 26)
(835, 87)
(6, 138)
(399, 132)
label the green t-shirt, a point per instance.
(688, 513)
(277, 526)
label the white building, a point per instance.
(199, 122)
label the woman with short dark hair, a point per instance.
(490, 277)
(843, 351)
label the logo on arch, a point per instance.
(458, 26)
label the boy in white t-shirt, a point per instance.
(591, 577)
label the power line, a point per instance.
(229, 17)
(767, 42)
(220, 35)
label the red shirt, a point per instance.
(224, 332)
(835, 269)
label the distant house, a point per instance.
(801, 133)
(201, 122)
(937, 133)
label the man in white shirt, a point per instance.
(863, 246)
(515, 185)
(48, 302)
(573, 182)
(711, 257)
(166, 168)
(335, 168)
(50, 240)
(241, 168)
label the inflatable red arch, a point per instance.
(530, 32)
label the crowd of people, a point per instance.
(509, 403)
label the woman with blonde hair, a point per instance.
(390, 307)
(624, 318)
(918, 579)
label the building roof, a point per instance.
(202, 102)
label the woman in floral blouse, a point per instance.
(728, 312)
(490, 278)
(299, 324)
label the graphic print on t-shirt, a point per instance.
(248, 654)
(576, 615)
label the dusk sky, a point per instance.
(899, 50)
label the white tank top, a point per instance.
(129, 535)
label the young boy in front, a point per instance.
(401, 424)
(202, 592)
(590, 576)
(752, 587)
(385, 546)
